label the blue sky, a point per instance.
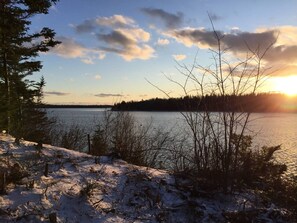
(110, 48)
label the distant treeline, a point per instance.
(264, 102)
(74, 106)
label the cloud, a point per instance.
(97, 77)
(132, 52)
(103, 95)
(281, 56)
(69, 48)
(237, 43)
(128, 43)
(179, 57)
(115, 21)
(284, 51)
(119, 35)
(163, 42)
(170, 20)
(57, 93)
(125, 36)
(235, 30)
(281, 69)
(233, 41)
(116, 38)
(87, 26)
(287, 34)
(87, 60)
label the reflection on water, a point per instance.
(275, 129)
(267, 128)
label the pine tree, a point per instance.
(19, 50)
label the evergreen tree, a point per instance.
(19, 50)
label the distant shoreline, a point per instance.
(251, 103)
(74, 106)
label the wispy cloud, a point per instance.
(97, 77)
(235, 30)
(104, 95)
(57, 93)
(69, 48)
(163, 42)
(179, 57)
(169, 19)
(115, 21)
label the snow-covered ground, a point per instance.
(83, 188)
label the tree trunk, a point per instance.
(7, 91)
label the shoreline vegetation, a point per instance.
(262, 102)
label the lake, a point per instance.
(268, 128)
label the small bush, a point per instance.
(74, 137)
(99, 144)
(16, 173)
(283, 193)
(140, 144)
(11, 174)
(243, 166)
(258, 166)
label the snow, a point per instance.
(83, 188)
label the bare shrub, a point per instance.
(219, 141)
(140, 144)
(73, 137)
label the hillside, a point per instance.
(58, 185)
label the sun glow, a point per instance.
(286, 85)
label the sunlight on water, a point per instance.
(275, 129)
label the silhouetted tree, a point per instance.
(18, 52)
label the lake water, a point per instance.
(269, 128)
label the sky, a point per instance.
(120, 50)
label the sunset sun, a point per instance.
(286, 85)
